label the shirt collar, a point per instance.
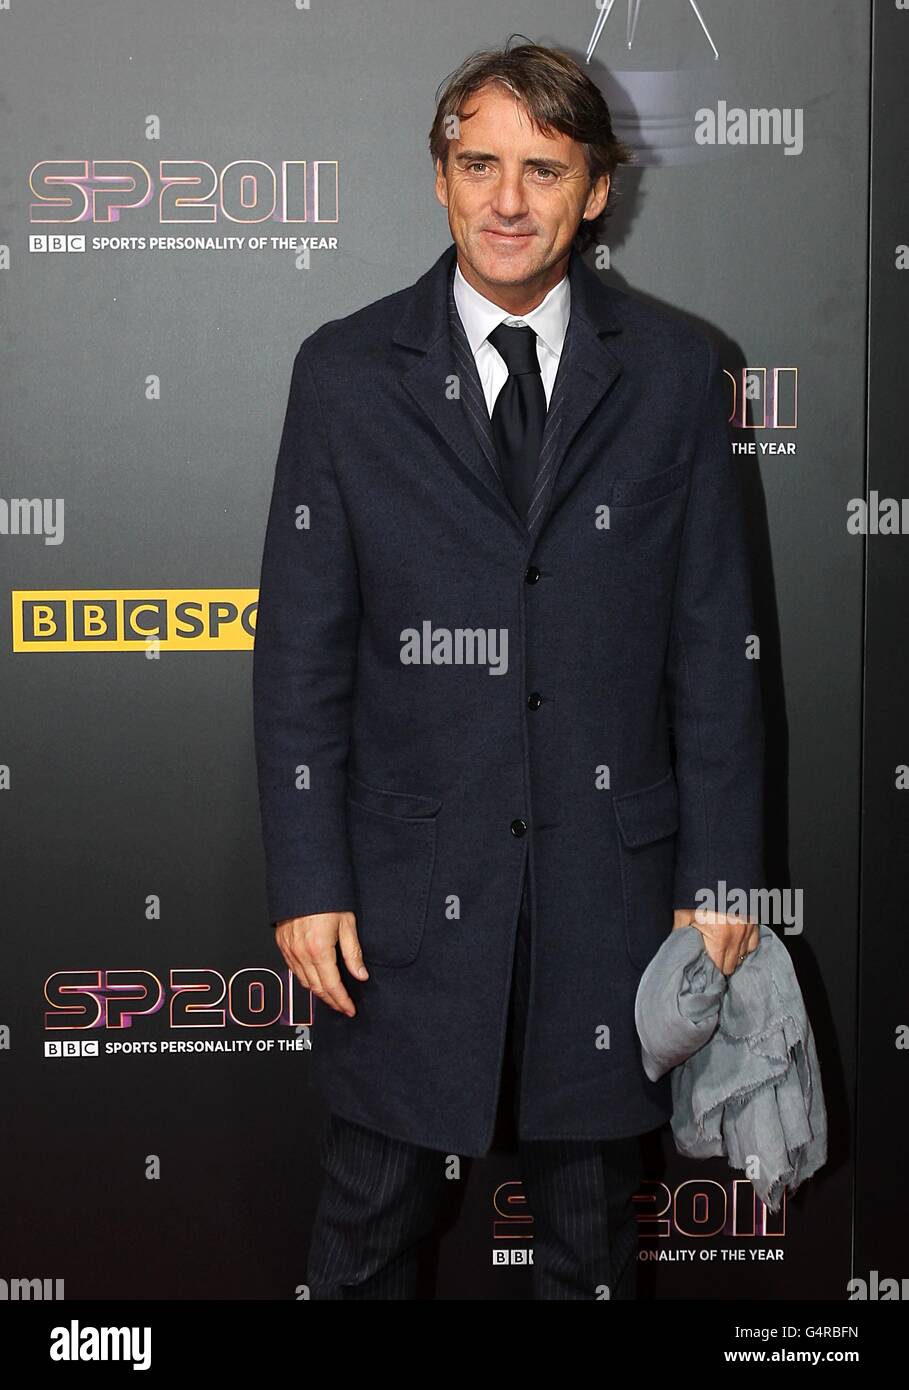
(549, 320)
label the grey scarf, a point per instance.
(745, 1078)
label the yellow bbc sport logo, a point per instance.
(125, 620)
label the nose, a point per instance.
(510, 196)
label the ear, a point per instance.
(596, 198)
(441, 186)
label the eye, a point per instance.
(477, 164)
(548, 171)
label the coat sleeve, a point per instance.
(304, 668)
(713, 683)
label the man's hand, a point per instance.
(725, 938)
(308, 945)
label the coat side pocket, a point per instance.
(393, 857)
(647, 823)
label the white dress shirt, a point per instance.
(480, 316)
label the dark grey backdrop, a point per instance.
(193, 1176)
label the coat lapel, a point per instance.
(587, 369)
(445, 383)
(472, 395)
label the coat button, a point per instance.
(531, 574)
(534, 700)
(519, 828)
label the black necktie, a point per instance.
(519, 413)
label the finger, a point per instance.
(733, 947)
(306, 964)
(715, 952)
(297, 964)
(716, 945)
(315, 982)
(731, 956)
(351, 950)
(743, 948)
(335, 993)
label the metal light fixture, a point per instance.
(634, 7)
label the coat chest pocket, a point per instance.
(393, 849)
(647, 823)
(630, 492)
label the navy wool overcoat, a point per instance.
(444, 697)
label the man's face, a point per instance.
(514, 196)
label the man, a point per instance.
(504, 580)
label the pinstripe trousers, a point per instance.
(381, 1197)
